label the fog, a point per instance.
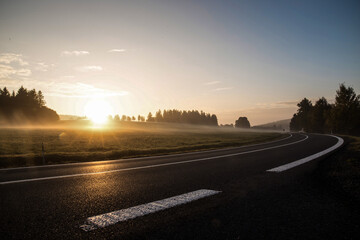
(134, 126)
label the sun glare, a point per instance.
(98, 111)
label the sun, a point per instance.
(98, 111)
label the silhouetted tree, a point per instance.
(295, 123)
(213, 121)
(302, 119)
(158, 116)
(189, 117)
(41, 99)
(242, 122)
(319, 115)
(150, 118)
(117, 118)
(341, 117)
(345, 115)
(24, 106)
(176, 116)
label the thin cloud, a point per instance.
(89, 68)
(275, 105)
(23, 72)
(287, 103)
(221, 89)
(212, 83)
(74, 53)
(8, 58)
(7, 71)
(117, 50)
(63, 89)
(43, 67)
(68, 77)
(81, 90)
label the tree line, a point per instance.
(24, 106)
(125, 118)
(342, 117)
(174, 116)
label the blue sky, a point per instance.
(231, 58)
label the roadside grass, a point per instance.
(341, 171)
(22, 146)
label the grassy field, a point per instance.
(22, 146)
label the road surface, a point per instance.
(216, 194)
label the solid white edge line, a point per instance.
(309, 158)
(142, 158)
(149, 166)
(111, 218)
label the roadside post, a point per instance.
(43, 153)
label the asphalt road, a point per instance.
(52, 202)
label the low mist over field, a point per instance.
(71, 143)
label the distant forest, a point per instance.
(342, 117)
(175, 116)
(25, 107)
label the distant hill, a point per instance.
(277, 125)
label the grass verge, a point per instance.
(341, 171)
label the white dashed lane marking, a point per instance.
(107, 219)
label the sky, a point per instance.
(230, 58)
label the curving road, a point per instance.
(52, 202)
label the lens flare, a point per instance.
(98, 111)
